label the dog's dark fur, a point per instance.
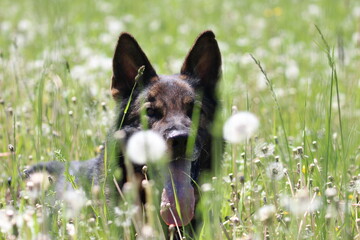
(169, 102)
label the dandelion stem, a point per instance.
(176, 224)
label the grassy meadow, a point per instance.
(294, 64)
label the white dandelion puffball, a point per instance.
(74, 201)
(240, 126)
(275, 171)
(265, 213)
(146, 146)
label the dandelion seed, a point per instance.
(5, 225)
(123, 216)
(329, 184)
(356, 11)
(264, 149)
(300, 150)
(10, 110)
(311, 167)
(257, 162)
(301, 203)
(354, 186)
(75, 200)
(276, 139)
(235, 220)
(240, 127)
(146, 146)
(144, 170)
(275, 171)
(11, 148)
(147, 231)
(234, 109)
(314, 145)
(330, 192)
(35, 184)
(265, 213)
(70, 229)
(103, 105)
(292, 70)
(314, 10)
(331, 212)
(38, 180)
(206, 187)
(296, 153)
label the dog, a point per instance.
(169, 102)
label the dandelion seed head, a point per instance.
(292, 70)
(354, 186)
(235, 220)
(11, 148)
(38, 180)
(314, 10)
(74, 200)
(240, 127)
(146, 146)
(124, 215)
(147, 231)
(5, 221)
(275, 170)
(357, 186)
(207, 187)
(70, 229)
(300, 203)
(264, 149)
(330, 192)
(331, 212)
(356, 11)
(265, 213)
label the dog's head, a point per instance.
(169, 102)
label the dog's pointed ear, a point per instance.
(128, 58)
(204, 61)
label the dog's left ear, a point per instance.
(128, 58)
(204, 62)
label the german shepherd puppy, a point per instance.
(169, 101)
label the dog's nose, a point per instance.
(179, 141)
(177, 138)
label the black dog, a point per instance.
(169, 102)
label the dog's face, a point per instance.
(169, 105)
(168, 102)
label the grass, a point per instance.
(55, 72)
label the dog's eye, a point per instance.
(150, 112)
(153, 113)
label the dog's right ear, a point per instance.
(128, 58)
(204, 62)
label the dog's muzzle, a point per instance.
(178, 199)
